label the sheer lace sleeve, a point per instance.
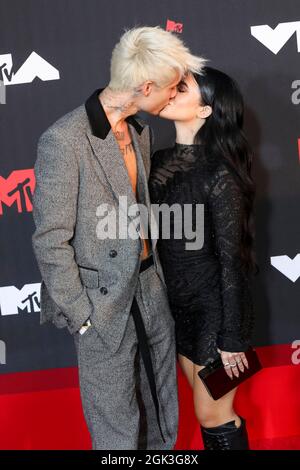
(157, 179)
(227, 211)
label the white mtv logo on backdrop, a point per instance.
(275, 39)
(34, 66)
(287, 266)
(26, 299)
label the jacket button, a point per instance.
(103, 290)
(113, 253)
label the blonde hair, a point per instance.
(150, 53)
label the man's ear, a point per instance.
(147, 88)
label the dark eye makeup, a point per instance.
(182, 86)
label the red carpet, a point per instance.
(42, 409)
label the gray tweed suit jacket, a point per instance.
(79, 166)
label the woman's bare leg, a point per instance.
(210, 412)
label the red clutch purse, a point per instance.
(218, 383)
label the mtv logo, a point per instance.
(17, 189)
(287, 266)
(175, 27)
(275, 39)
(34, 67)
(14, 301)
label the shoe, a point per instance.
(226, 436)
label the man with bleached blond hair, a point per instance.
(110, 292)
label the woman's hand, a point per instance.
(233, 362)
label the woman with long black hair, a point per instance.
(209, 287)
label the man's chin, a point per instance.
(154, 112)
(163, 114)
(161, 110)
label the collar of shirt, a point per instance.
(98, 120)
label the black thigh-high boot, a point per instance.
(226, 436)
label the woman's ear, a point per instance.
(204, 112)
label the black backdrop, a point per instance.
(72, 42)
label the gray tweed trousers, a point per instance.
(114, 389)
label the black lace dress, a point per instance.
(208, 291)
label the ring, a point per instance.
(227, 364)
(233, 365)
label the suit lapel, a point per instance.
(112, 163)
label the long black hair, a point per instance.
(222, 135)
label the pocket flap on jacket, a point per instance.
(89, 276)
